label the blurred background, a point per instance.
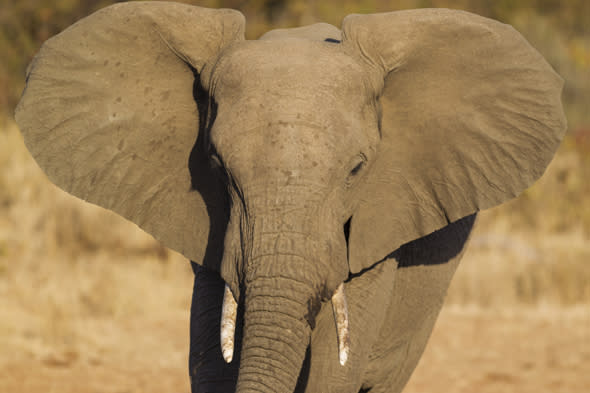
(89, 303)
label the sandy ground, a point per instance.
(470, 351)
(507, 351)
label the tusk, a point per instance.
(228, 324)
(341, 316)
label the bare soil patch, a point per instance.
(519, 350)
(471, 350)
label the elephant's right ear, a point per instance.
(109, 113)
(471, 116)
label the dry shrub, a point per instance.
(515, 268)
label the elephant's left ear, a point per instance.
(112, 108)
(471, 116)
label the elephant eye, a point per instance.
(357, 168)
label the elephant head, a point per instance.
(288, 163)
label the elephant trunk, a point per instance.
(277, 316)
(292, 260)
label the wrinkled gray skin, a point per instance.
(288, 165)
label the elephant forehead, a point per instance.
(298, 104)
(281, 150)
(287, 70)
(297, 81)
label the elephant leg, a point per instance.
(425, 269)
(208, 371)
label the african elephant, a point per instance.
(323, 181)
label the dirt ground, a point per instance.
(520, 351)
(470, 351)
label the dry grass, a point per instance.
(86, 296)
(503, 268)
